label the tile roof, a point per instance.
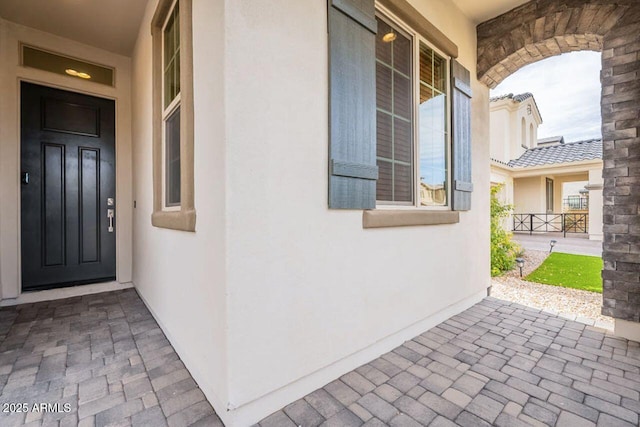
(551, 140)
(561, 153)
(517, 98)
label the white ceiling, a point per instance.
(481, 10)
(108, 24)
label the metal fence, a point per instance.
(575, 204)
(545, 223)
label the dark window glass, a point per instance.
(394, 114)
(172, 157)
(171, 72)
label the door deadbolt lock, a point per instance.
(111, 213)
(110, 201)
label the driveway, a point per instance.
(571, 245)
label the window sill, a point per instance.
(175, 220)
(381, 218)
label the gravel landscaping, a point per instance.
(575, 304)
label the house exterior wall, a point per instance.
(309, 290)
(507, 118)
(558, 184)
(181, 275)
(500, 130)
(596, 203)
(529, 195)
(11, 73)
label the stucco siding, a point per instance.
(309, 287)
(181, 275)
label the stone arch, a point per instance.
(543, 28)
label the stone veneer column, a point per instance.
(620, 124)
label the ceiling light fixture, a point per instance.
(75, 73)
(389, 37)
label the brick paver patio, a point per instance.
(104, 356)
(497, 363)
(494, 364)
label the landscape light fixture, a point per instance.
(520, 263)
(552, 244)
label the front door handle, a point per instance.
(110, 215)
(25, 178)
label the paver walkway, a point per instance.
(496, 363)
(103, 356)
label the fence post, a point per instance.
(530, 224)
(564, 227)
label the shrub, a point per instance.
(503, 250)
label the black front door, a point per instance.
(68, 188)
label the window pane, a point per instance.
(439, 72)
(385, 178)
(383, 50)
(402, 182)
(402, 140)
(383, 87)
(395, 114)
(384, 135)
(402, 55)
(401, 96)
(433, 129)
(171, 57)
(172, 157)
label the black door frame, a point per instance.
(78, 91)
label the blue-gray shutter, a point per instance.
(352, 104)
(461, 136)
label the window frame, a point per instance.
(167, 112)
(180, 216)
(416, 38)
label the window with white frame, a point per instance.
(171, 106)
(173, 137)
(412, 98)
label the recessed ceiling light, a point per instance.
(84, 76)
(389, 37)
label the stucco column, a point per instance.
(595, 203)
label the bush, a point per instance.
(503, 250)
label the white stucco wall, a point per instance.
(11, 73)
(181, 275)
(559, 182)
(500, 135)
(529, 195)
(596, 203)
(309, 291)
(506, 119)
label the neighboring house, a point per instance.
(543, 176)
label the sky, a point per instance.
(567, 91)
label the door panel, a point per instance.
(68, 175)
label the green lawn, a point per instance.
(570, 271)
